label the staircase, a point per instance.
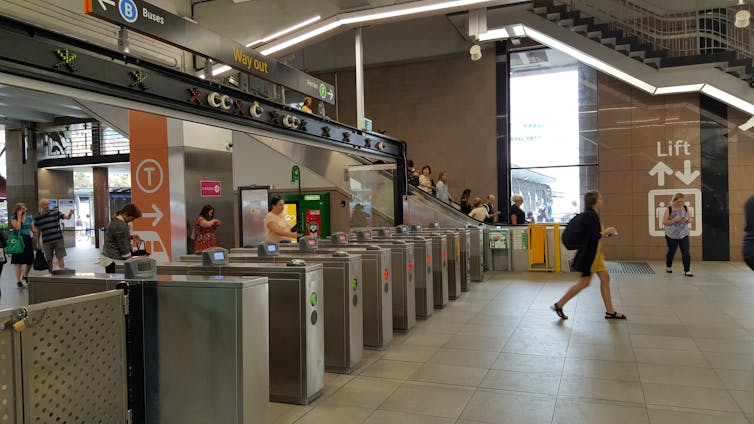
(628, 44)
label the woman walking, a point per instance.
(23, 223)
(589, 258)
(676, 221)
(204, 229)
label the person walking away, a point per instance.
(442, 187)
(466, 202)
(748, 249)
(548, 211)
(204, 227)
(589, 258)
(676, 222)
(517, 217)
(23, 223)
(117, 246)
(275, 225)
(413, 174)
(51, 235)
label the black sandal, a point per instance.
(614, 315)
(559, 311)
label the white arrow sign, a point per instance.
(687, 177)
(660, 170)
(157, 215)
(330, 94)
(102, 3)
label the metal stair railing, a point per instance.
(678, 33)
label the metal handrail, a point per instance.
(677, 33)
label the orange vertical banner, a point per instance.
(150, 184)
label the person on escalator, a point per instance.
(442, 187)
(425, 180)
(465, 201)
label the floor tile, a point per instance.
(409, 353)
(697, 331)
(487, 330)
(503, 407)
(427, 339)
(663, 342)
(731, 361)
(663, 415)
(428, 399)
(671, 357)
(522, 382)
(335, 414)
(365, 392)
(386, 368)
(593, 368)
(672, 330)
(449, 374)
(595, 388)
(726, 346)
(570, 411)
(529, 363)
(487, 344)
(282, 413)
(381, 417)
(689, 397)
(682, 376)
(606, 352)
(464, 358)
(745, 400)
(737, 379)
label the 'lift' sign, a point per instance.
(210, 188)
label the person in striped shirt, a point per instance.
(48, 223)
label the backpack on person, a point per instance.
(573, 237)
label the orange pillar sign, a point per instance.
(150, 184)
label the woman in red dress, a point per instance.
(205, 228)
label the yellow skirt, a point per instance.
(599, 260)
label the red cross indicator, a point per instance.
(385, 274)
(429, 259)
(410, 265)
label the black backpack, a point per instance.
(573, 236)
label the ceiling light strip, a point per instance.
(285, 31)
(728, 98)
(371, 15)
(589, 60)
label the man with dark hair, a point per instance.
(48, 222)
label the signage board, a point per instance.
(158, 23)
(210, 188)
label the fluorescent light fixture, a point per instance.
(376, 14)
(285, 31)
(518, 30)
(402, 10)
(746, 126)
(220, 69)
(303, 37)
(690, 88)
(494, 34)
(589, 60)
(730, 99)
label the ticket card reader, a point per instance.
(383, 232)
(308, 244)
(434, 225)
(365, 235)
(215, 256)
(268, 249)
(339, 238)
(416, 227)
(401, 229)
(140, 269)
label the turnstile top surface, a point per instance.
(79, 277)
(204, 281)
(257, 266)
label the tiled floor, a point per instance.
(499, 355)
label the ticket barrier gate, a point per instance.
(453, 255)
(377, 283)
(476, 253)
(465, 259)
(439, 267)
(342, 302)
(296, 327)
(159, 351)
(404, 289)
(423, 260)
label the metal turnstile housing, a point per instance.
(423, 260)
(439, 267)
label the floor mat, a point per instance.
(641, 268)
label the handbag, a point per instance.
(3, 258)
(40, 262)
(142, 250)
(15, 244)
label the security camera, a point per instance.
(229, 145)
(475, 52)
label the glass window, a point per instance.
(553, 133)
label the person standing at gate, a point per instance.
(518, 217)
(48, 223)
(204, 229)
(118, 246)
(275, 226)
(676, 221)
(589, 258)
